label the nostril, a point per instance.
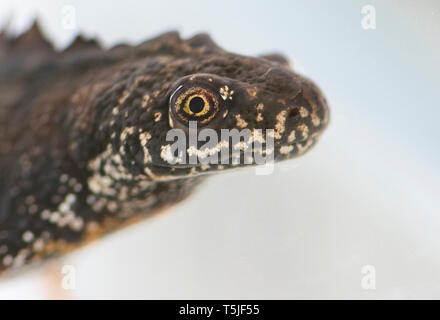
(294, 113)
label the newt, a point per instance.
(83, 131)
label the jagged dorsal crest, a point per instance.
(33, 39)
(80, 43)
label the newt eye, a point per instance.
(195, 103)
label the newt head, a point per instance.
(211, 91)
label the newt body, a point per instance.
(83, 147)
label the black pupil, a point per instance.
(196, 104)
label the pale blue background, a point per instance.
(367, 195)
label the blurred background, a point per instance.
(367, 195)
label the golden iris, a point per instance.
(195, 103)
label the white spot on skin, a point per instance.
(280, 126)
(225, 93)
(202, 154)
(77, 224)
(268, 151)
(252, 92)
(157, 116)
(45, 214)
(99, 205)
(112, 206)
(101, 184)
(64, 207)
(241, 145)
(291, 137)
(166, 155)
(127, 131)
(286, 149)
(240, 122)
(54, 217)
(256, 136)
(70, 199)
(124, 96)
(38, 245)
(315, 119)
(304, 131)
(194, 151)
(303, 112)
(66, 218)
(28, 236)
(144, 137)
(113, 169)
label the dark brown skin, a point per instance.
(83, 131)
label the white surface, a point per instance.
(366, 195)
